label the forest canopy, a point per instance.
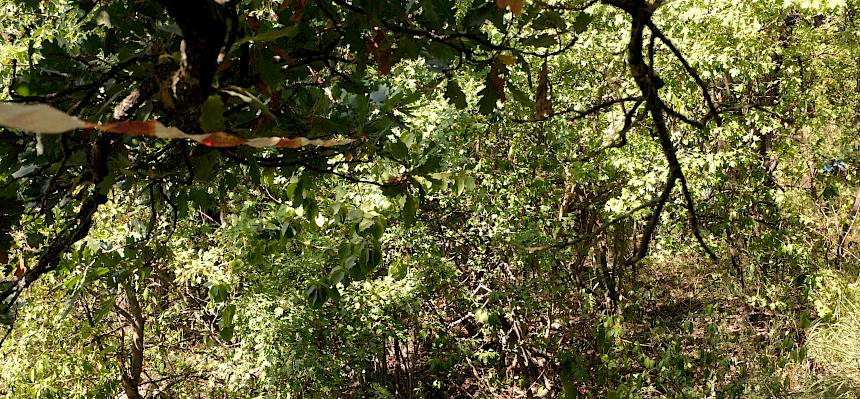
(429, 198)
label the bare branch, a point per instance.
(581, 114)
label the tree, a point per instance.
(338, 72)
(300, 59)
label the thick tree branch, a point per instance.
(204, 29)
(134, 315)
(49, 259)
(649, 84)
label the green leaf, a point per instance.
(226, 333)
(582, 21)
(104, 309)
(407, 48)
(410, 209)
(476, 17)
(295, 191)
(204, 166)
(549, 20)
(355, 271)
(487, 103)
(227, 315)
(543, 40)
(830, 192)
(98, 272)
(201, 198)
(430, 165)
(218, 292)
(22, 90)
(225, 324)
(399, 150)
(363, 256)
(393, 190)
(436, 12)
(375, 258)
(311, 209)
(378, 228)
(344, 251)
(107, 183)
(805, 321)
(337, 275)
(72, 282)
(482, 315)
(270, 72)
(492, 91)
(316, 295)
(521, 97)
(397, 270)
(287, 230)
(212, 114)
(334, 294)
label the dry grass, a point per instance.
(832, 369)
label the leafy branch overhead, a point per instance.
(321, 71)
(430, 198)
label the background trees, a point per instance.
(593, 199)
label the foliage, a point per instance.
(523, 199)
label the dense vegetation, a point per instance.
(522, 199)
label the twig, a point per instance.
(582, 114)
(594, 233)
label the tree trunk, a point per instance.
(134, 316)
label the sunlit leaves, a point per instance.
(297, 238)
(398, 270)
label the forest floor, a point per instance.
(752, 331)
(832, 369)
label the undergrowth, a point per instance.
(833, 367)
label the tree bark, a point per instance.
(649, 84)
(134, 317)
(204, 28)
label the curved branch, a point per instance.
(689, 68)
(581, 114)
(97, 158)
(50, 258)
(649, 84)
